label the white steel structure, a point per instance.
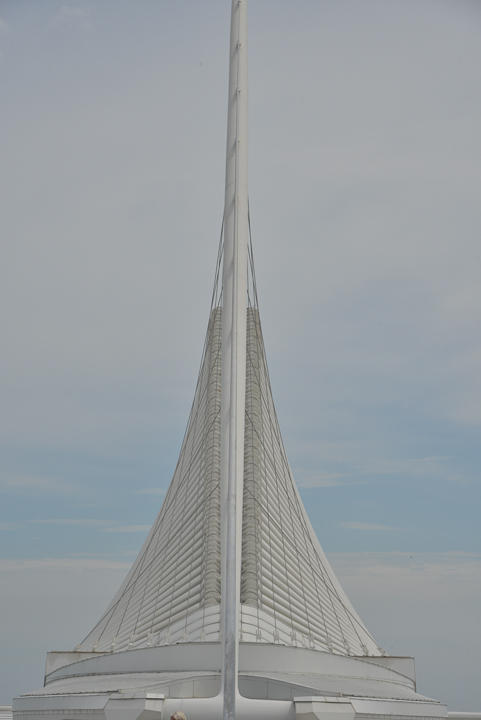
(231, 608)
(286, 589)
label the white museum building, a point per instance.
(231, 609)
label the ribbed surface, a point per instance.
(289, 593)
(172, 592)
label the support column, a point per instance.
(234, 318)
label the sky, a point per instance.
(365, 157)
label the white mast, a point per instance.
(234, 350)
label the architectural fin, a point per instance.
(288, 591)
(172, 592)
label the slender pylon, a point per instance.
(234, 312)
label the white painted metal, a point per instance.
(192, 670)
(319, 671)
(234, 283)
(288, 592)
(172, 592)
(139, 698)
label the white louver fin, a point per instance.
(289, 593)
(172, 592)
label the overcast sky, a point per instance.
(365, 179)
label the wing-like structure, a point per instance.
(289, 593)
(172, 592)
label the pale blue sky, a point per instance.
(364, 193)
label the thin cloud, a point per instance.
(446, 566)
(151, 491)
(35, 484)
(128, 528)
(327, 480)
(104, 556)
(63, 564)
(71, 521)
(79, 18)
(424, 467)
(366, 526)
(420, 467)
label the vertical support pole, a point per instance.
(234, 321)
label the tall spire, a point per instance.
(232, 555)
(234, 282)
